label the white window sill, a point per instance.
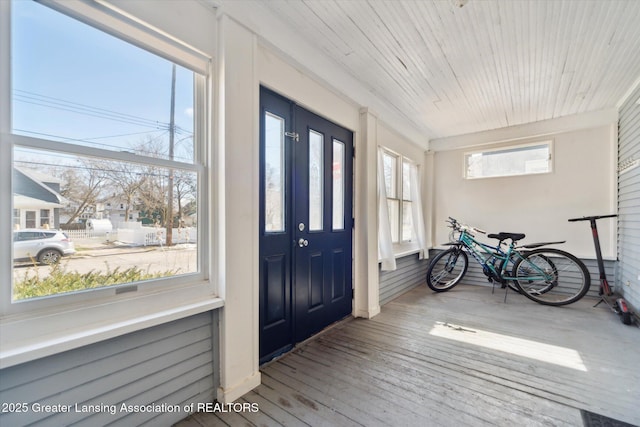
(14, 351)
(401, 251)
(406, 252)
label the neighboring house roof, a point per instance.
(25, 202)
(37, 188)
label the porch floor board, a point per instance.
(460, 358)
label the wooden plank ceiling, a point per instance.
(489, 64)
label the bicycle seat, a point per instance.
(502, 236)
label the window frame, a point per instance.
(35, 328)
(510, 147)
(401, 245)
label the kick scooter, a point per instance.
(611, 298)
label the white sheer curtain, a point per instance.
(385, 243)
(416, 213)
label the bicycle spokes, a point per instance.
(551, 277)
(446, 270)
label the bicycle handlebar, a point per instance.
(458, 226)
(589, 218)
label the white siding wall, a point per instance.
(410, 273)
(171, 364)
(629, 201)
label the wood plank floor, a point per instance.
(460, 358)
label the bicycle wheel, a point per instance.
(447, 269)
(512, 263)
(551, 277)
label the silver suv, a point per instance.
(45, 246)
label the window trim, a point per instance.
(30, 329)
(549, 142)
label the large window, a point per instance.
(107, 148)
(509, 161)
(104, 158)
(401, 228)
(397, 179)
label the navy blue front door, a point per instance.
(306, 170)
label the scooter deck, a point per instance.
(620, 306)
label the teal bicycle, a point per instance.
(545, 275)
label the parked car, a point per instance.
(44, 246)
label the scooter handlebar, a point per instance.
(589, 218)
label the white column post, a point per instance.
(366, 292)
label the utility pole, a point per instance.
(172, 132)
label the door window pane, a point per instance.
(338, 185)
(274, 171)
(316, 175)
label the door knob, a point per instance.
(303, 242)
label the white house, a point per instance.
(294, 105)
(36, 199)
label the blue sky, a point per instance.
(73, 83)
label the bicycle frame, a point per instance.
(495, 254)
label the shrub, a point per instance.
(60, 281)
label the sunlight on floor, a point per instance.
(521, 347)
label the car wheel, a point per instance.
(49, 256)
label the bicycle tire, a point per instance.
(551, 277)
(447, 269)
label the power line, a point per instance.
(152, 125)
(66, 105)
(119, 135)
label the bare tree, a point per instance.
(185, 186)
(83, 187)
(129, 179)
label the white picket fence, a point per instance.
(91, 234)
(141, 236)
